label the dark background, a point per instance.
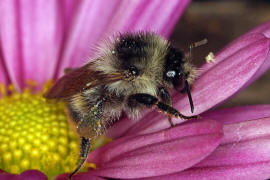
(221, 21)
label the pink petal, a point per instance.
(31, 35)
(26, 175)
(159, 153)
(227, 77)
(231, 49)
(238, 114)
(243, 142)
(243, 154)
(94, 22)
(253, 35)
(247, 172)
(9, 41)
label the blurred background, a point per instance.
(221, 21)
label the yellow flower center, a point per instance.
(34, 134)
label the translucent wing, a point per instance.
(79, 80)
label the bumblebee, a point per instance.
(131, 72)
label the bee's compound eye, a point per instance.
(133, 70)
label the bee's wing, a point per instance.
(79, 80)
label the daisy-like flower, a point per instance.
(38, 40)
(141, 149)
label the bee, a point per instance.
(131, 72)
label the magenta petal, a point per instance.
(9, 41)
(238, 114)
(244, 153)
(248, 172)
(41, 32)
(95, 22)
(129, 143)
(227, 77)
(159, 153)
(243, 143)
(31, 33)
(231, 49)
(26, 175)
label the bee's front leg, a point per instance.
(150, 101)
(166, 98)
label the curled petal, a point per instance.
(265, 30)
(159, 153)
(228, 76)
(262, 31)
(231, 49)
(26, 175)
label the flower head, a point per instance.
(35, 134)
(34, 48)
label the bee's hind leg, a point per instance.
(84, 149)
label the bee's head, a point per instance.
(150, 57)
(179, 72)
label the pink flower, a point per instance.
(34, 48)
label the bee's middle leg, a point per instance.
(149, 101)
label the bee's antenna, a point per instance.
(189, 96)
(187, 86)
(84, 149)
(196, 44)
